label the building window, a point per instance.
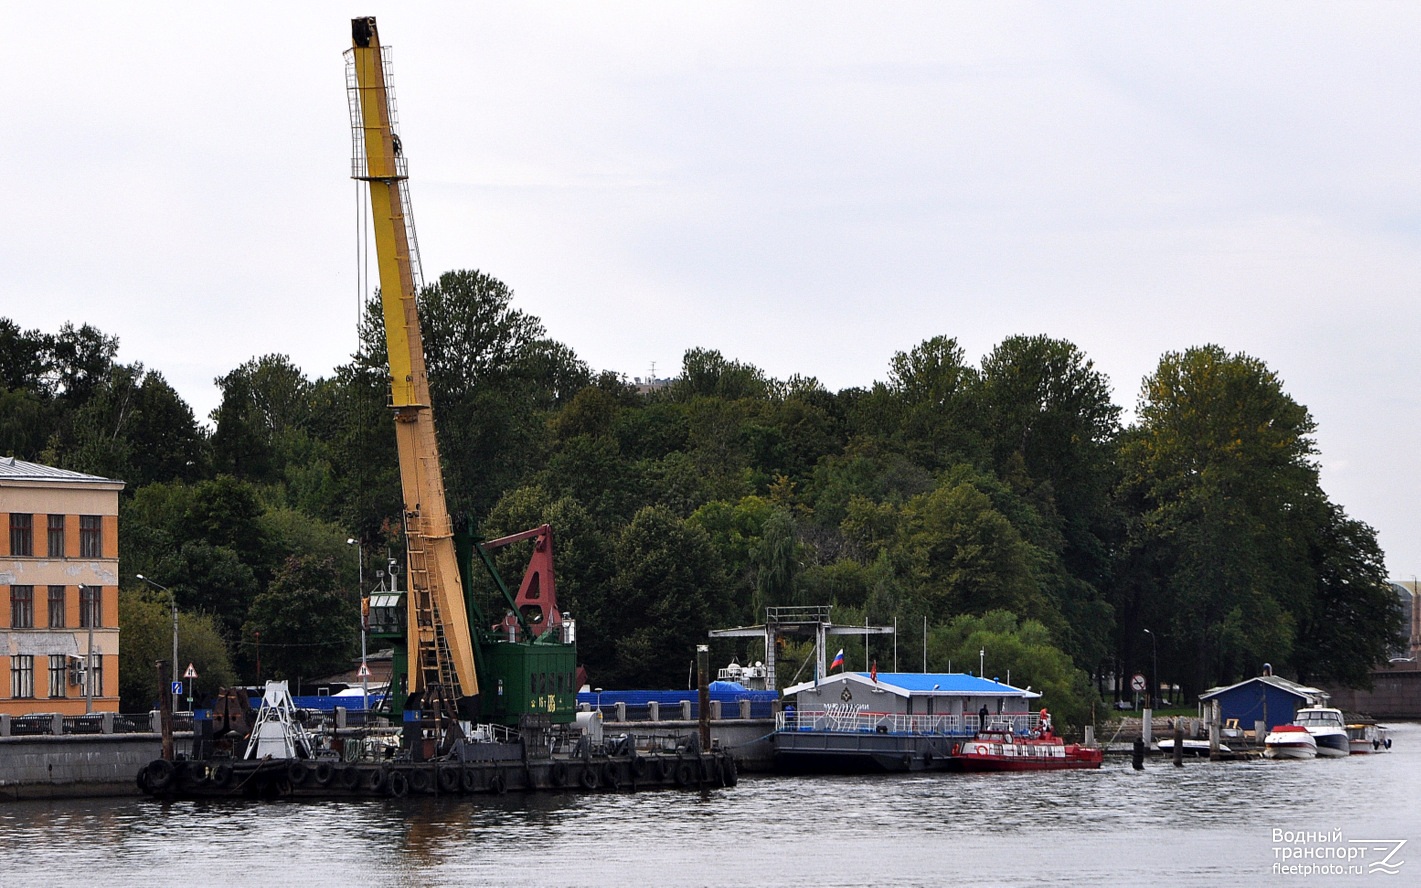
(91, 601)
(58, 675)
(56, 607)
(56, 536)
(22, 675)
(91, 536)
(22, 607)
(22, 534)
(94, 676)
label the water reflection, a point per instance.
(1196, 825)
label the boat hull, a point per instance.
(834, 752)
(830, 752)
(978, 764)
(328, 779)
(1333, 745)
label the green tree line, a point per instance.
(1000, 504)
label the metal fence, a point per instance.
(689, 710)
(53, 724)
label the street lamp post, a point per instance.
(174, 599)
(1154, 651)
(360, 580)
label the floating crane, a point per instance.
(530, 652)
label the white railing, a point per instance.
(850, 719)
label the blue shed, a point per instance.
(1266, 698)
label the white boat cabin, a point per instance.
(914, 702)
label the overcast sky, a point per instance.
(808, 188)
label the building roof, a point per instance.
(17, 470)
(924, 684)
(1282, 684)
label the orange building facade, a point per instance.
(59, 630)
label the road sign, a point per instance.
(191, 672)
(177, 689)
(1138, 683)
(364, 671)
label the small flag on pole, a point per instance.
(838, 661)
(873, 672)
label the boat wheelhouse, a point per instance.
(1328, 728)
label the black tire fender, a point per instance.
(297, 772)
(349, 777)
(160, 774)
(558, 774)
(325, 771)
(418, 780)
(376, 779)
(448, 778)
(469, 780)
(496, 784)
(685, 774)
(588, 777)
(221, 774)
(398, 785)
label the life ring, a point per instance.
(496, 785)
(296, 772)
(398, 785)
(469, 780)
(325, 771)
(558, 774)
(448, 777)
(160, 773)
(981, 749)
(375, 781)
(221, 774)
(349, 777)
(588, 777)
(610, 777)
(684, 774)
(418, 780)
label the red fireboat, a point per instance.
(1001, 750)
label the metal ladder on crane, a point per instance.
(435, 663)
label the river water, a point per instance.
(1203, 824)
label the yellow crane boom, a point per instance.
(440, 648)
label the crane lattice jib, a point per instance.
(439, 643)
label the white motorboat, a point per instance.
(1289, 741)
(1190, 747)
(1328, 728)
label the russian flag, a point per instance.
(838, 661)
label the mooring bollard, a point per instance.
(1138, 759)
(1178, 745)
